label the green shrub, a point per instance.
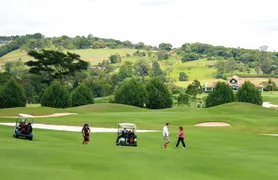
(131, 92)
(249, 93)
(183, 76)
(82, 95)
(174, 88)
(159, 95)
(56, 96)
(184, 99)
(12, 95)
(221, 94)
(115, 58)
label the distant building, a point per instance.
(234, 82)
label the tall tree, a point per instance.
(165, 46)
(142, 68)
(131, 92)
(221, 94)
(183, 76)
(126, 71)
(82, 95)
(56, 96)
(12, 95)
(159, 95)
(249, 93)
(55, 65)
(194, 89)
(270, 85)
(115, 58)
(183, 99)
(156, 70)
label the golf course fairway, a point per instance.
(239, 151)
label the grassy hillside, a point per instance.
(240, 115)
(94, 56)
(240, 151)
(194, 69)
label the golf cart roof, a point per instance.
(127, 125)
(25, 116)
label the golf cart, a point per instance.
(23, 127)
(126, 135)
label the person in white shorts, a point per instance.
(165, 134)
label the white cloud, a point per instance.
(247, 23)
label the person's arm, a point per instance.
(83, 132)
(165, 134)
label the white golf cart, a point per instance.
(126, 135)
(23, 127)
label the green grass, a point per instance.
(15, 56)
(210, 154)
(194, 69)
(102, 100)
(226, 153)
(240, 115)
(94, 56)
(271, 97)
(98, 55)
(29, 110)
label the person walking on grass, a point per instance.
(165, 135)
(180, 138)
(86, 133)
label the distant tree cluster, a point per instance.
(222, 93)
(38, 41)
(16, 42)
(233, 59)
(153, 95)
(12, 95)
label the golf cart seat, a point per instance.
(126, 135)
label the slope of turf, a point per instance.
(101, 107)
(29, 110)
(93, 56)
(241, 116)
(210, 154)
(106, 107)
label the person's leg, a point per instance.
(178, 142)
(84, 140)
(166, 143)
(183, 144)
(87, 139)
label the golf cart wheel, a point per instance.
(31, 138)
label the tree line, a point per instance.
(231, 59)
(39, 41)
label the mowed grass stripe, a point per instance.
(210, 155)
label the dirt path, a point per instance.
(73, 128)
(45, 116)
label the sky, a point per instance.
(231, 23)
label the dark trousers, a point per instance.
(182, 141)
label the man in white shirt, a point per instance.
(165, 134)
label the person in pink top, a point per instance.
(181, 138)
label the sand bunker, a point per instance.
(212, 124)
(44, 116)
